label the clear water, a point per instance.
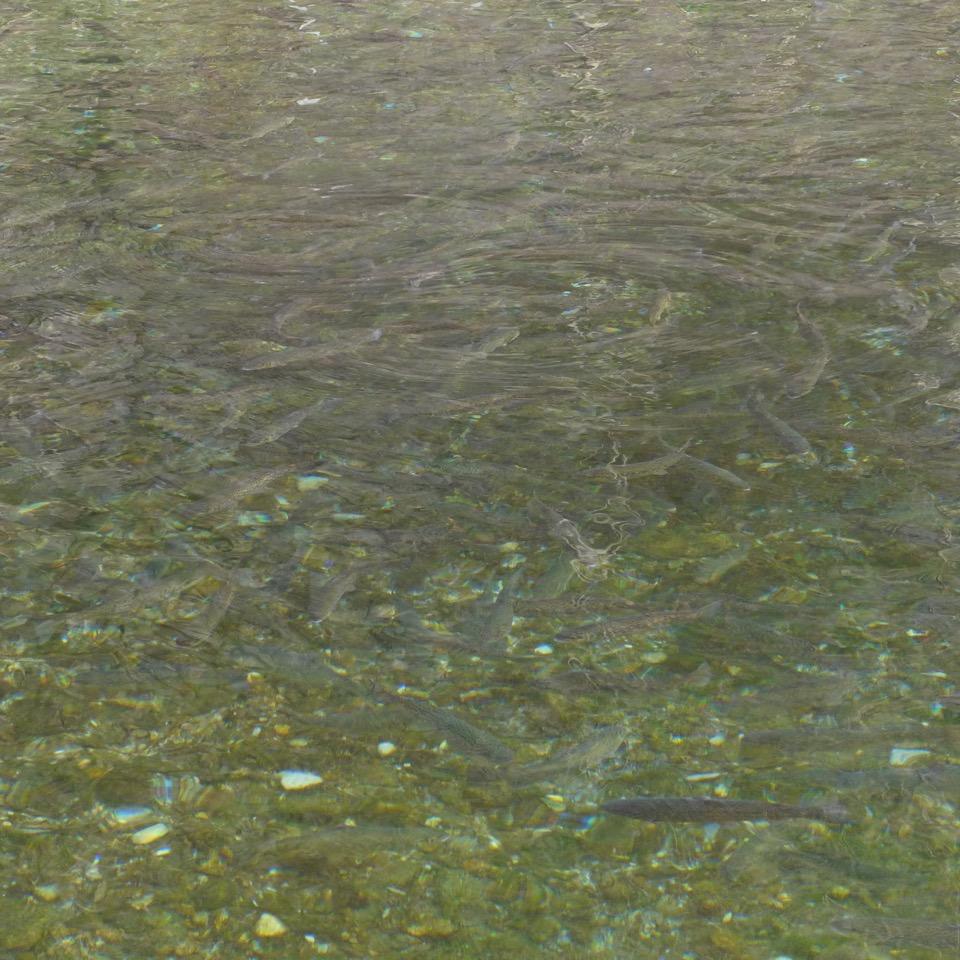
(556, 365)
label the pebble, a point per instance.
(901, 756)
(270, 926)
(432, 927)
(149, 834)
(299, 779)
(385, 748)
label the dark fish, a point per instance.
(718, 810)
(462, 736)
(792, 440)
(903, 931)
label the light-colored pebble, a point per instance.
(270, 926)
(151, 833)
(299, 779)
(901, 756)
(386, 749)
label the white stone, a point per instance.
(385, 748)
(901, 756)
(299, 779)
(270, 926)
(150, 834)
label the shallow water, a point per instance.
(569, 365)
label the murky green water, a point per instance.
(397, 393)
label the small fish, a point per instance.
(304, 356)
(915, 310)
(280, 428)
(713, 569)
(580, 679)
(494, 627)
(462, 736)
(793, 440)
(497, 338)
(293, 665)
(326, 593)
(903, 931)
(658, 467)
(801, 383)
(647, 332)
(336, 844)
(204, 626)
(602, 744)
(553, 581)
(293, 356)
(710, 470)
(247, 486)
(659, 306)
(588, 557)
(577, 603)
(718, 810)
(289, 311)
(270, 126)
(638, 623)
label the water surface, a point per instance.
(562, 366)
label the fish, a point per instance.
(553, 581)
(304, 356)
(719, 810)
(293, 356)
(712, 569)
(580, 679)
(628, 626)
(497, 338)
(600, 745)
(292, 665)
(246, 486)
(336, 844)
(653, 326)
(273, 125)
(204, 626)
(464, 737)
(792, 440)
(290, 311)
(280, 428)
(493, 629)
(657, 467)
(710, 470)
(325, 594)
(903, 931)
(802, 382)
(576, 603)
